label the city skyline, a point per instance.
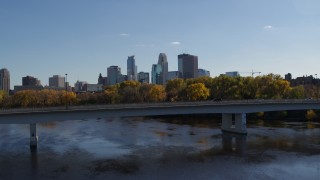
(85, 38)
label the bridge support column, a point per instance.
(33, 135)
(235, 123)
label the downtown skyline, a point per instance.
(84, 38)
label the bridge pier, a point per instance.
(33, 135)
(235, 123)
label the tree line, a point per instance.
(199, 89)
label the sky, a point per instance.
(83, 38)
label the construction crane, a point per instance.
(252, 73)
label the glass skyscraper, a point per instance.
(5, 80)
(188, 65)
(131, 69)
(163, 77)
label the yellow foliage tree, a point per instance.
(197, 92)
(157, 93)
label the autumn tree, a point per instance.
(3, 95)
(296, 92)
(197, 92)
(175, 89)
(157, 93)
(111, 94)
(129, 92)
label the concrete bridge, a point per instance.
(233, 112)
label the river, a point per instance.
(148, 148)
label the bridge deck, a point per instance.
(35, 115)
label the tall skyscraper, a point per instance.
(131, 69)
(155, 74)
(164, 68)
(5, 80)
(114, 75)
(57, 81)
(188, 65)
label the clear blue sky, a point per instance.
(42, 38)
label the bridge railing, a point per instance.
(162, 104)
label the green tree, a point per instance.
(296, 92)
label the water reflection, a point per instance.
(34, 161)
(232, 142)
(125, 148)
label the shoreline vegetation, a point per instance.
(219, 88)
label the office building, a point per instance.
(79, 86)
(288, 77)
(131, 68)
(203, 72)
(93, 87)
(188, 65)
(162, 61)
(5, 80)
(57, 81)
(173, 75)
(233, 73)
(114, 75)
(30, 81)
(102, 80)
(143, 77)
(155, 74)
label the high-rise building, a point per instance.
(203, 72)
(164, 68)
(5, 80)
(57, 81)
(114, 75)
(143, 77)
(131, 68)
(30, 81)
(188, 65)
(155, 73)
